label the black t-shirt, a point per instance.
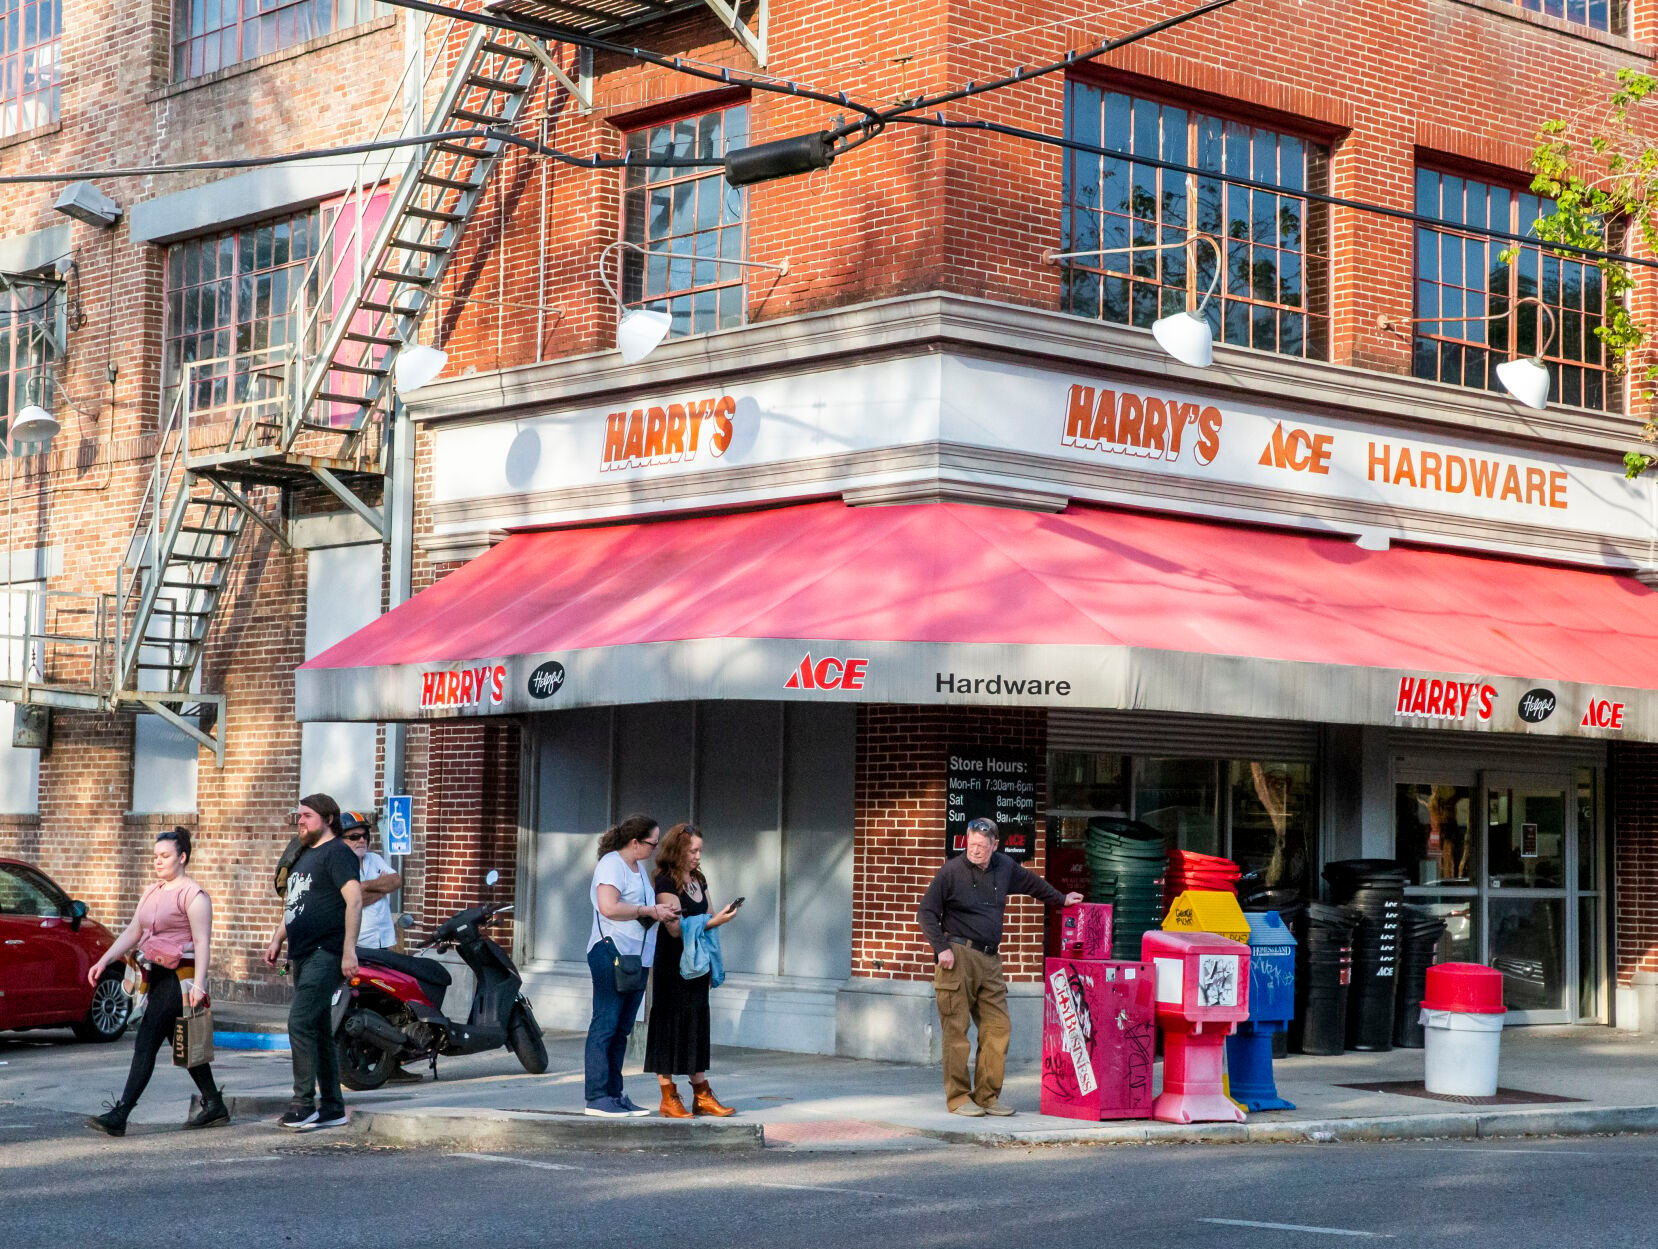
(315, 912)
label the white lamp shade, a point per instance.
(639, 333)
(1526, 380)
(1187, 337)
(418, 366)
(34, 424)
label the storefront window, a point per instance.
(1435, 840)
(1178, 798)
(1271, 820)
(1082, 785)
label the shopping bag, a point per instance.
(193, 1038)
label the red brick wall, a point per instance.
(1634, 793)
(898, 831)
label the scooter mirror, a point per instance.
(492, 877)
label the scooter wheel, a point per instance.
(524, 1036)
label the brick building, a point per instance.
(907, 492)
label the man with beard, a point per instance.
(320, 921)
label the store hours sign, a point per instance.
(998, 785)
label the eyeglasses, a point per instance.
(654, 844)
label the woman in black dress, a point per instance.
(677, 1040)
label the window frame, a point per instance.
(1446, 328)
(638, 184)
(189, 53)
(19, 62)
(1168, 279)
(1617, 13)
(47, 295)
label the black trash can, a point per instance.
(1323, 976)
(1422, 930)
(1375, 890)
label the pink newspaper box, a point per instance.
(1085, 931)
(1098, 1038)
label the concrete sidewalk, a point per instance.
(815, 1102)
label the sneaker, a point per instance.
(996, 1108)
(971, 1110)
(297, 1120)
(333, 1119)
(608, 1108)
(632, 1107)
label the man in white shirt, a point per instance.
(379, 931)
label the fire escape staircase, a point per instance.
(243, 435)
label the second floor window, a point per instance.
(211, 34)
(232, 308)
(1273, 293)
(1462, 278)
(686, 219)
(31, 327)
(1608, 15)
(31, 36)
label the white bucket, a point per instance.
(1461, 1053)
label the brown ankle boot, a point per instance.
(705, 1103)
(672, 1107)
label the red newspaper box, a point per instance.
(1085, 931)
(1098, 1038)
(1202, 996)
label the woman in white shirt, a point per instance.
(624, 910)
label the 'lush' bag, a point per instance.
(193, 1038)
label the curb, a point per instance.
(506, 1129)
(1487, 1125)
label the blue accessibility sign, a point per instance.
(400, 824)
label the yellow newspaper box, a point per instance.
(1204, 910)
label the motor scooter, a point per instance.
(391, 1012)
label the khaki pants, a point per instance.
(973, 991)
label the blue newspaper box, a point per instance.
(1271, 1007)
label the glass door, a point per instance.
(1530, 893)
(1440, 843)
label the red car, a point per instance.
(47, 945)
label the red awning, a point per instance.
(1116, 605)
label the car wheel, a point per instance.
(106, 1018)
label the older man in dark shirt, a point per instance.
(961, 917)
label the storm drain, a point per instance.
(1504, 1097)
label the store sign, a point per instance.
(1148, 426)
(464, 687)
(1537, 705)
(1298, 451)
(997, 683)
(668, 433)
(991, 784)
(1429, 698)
(546, 680)
(829, 673)
(1602, 713)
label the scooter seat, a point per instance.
(427, 969)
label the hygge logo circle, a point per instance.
(547, 680)
(1537, 705)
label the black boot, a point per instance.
(213, 1113)
(113, 1122)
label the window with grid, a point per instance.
(1132, 218)
(1469, 318)
(211, 34)
(232, 305)
(31, 327)
(1607, 15)
(31, 36)
(686, 220)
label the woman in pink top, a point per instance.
(172, 933)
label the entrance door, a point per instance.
(1530, 896)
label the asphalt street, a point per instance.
(251, 1184)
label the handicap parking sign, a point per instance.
(400, 824)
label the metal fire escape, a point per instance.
(243, 434)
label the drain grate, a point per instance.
(1504, 1097)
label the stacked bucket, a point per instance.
(1375, 889)
(1126, 862)
(1323, 975)
(1422, 930)
(1190, 870)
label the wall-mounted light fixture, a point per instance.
(85, 202)
(33, 422)
(1184, 335)
(641, 330)
(1526, 378)
(417, 365)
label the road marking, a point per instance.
(227, 1162)
(518, 1162)
(820, 1188)
(1296, 1227)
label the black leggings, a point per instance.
(155, 1029)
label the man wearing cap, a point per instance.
(961, 917)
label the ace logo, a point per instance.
(1602, 713)
(1298, 451)
(828, 674)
